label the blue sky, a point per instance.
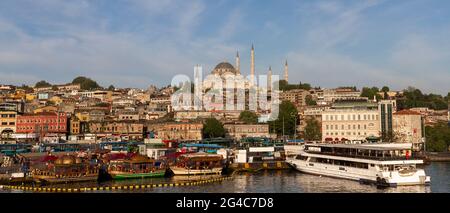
(137, 43)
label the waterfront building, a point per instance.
(408, 128)
(7, 123)
(45, 125)
(178, 130)
(118, 130)
(350, 120)
(238, 131)
(386, 109)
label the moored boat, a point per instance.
(198, 164)
(68, 168)
(138, 166)
(382, 164)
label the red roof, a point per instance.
(407, 112)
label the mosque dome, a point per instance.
(223, 68)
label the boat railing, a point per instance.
(380, 158)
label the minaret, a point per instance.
(252, 66)
(238, 63)
(269, 79)
(286, 77)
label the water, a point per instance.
(284, 182)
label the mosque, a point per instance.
(225, 71)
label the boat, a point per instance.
(198, 164)
(138, 166)
(67, 168)
(381, 164)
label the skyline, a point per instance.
(326, 43)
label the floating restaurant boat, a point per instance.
(67, 168)
(198, 164)
(382, 164)
(138, 166)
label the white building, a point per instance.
(350, 120)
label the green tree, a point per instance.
(248, 117)
(309, 101)
(413, 97)
(385, 89)
(284, 86)
(213, 128)
(42, 83)
(111, 87)
(370, 93)
(288, 115)
(437, 137)
(85, 83)
(313, 130)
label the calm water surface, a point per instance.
(285, 182)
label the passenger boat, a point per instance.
(67, 168)
(138, 166)
(198, 164)
(382, 164)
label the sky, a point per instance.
(137, 43)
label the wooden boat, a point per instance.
(67, 168)
(198, 164)
(138, 166)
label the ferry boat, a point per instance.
(67, 168)
(139, 166)
(198, 164)
(382, 164)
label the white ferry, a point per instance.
(382, 164)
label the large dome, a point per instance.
(223, 68)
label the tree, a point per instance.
(309, 101)
(287, 115)
(111, 87)
(42, 83)
(284, 86)
(370, 93)
(213, 128)
(437, 137)
(313, 130)
(413, 97)
(385, 89)
(85, 83)
(248, 117)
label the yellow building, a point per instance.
(83, 116)
(56, 99)
(7, 123)
(30, 97)
(46, 109)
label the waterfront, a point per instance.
(281, 182)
